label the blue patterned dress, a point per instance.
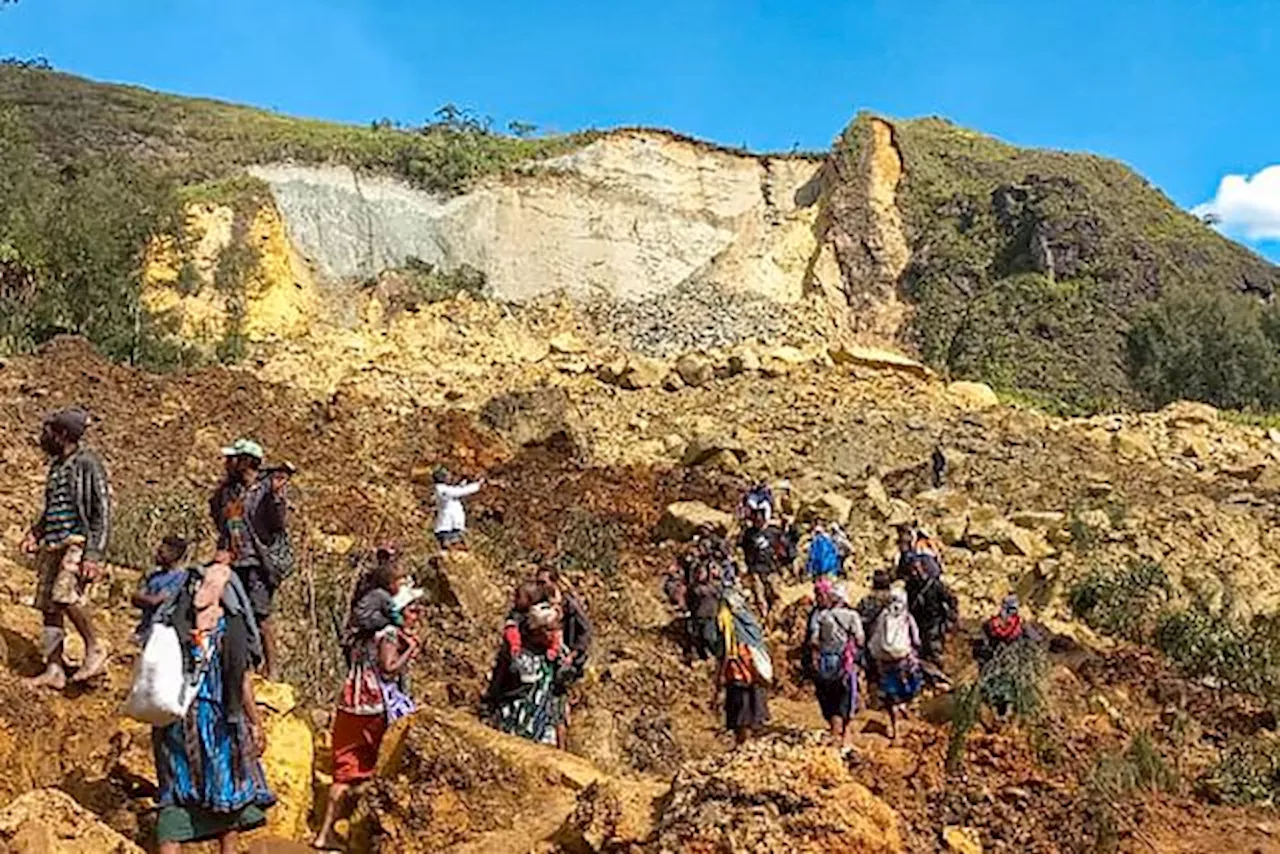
(206, 763)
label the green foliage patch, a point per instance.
(1029, 266)
(198, 140)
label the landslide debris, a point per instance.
(776, 797)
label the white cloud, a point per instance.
(1247, 205)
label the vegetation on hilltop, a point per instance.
(91, 173)
(195, 140)
(1029, 268)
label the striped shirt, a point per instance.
(61, 520)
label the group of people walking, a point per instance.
(211, 783)
(211, 779)
(892, 639)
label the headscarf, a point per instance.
(822, 586)
(897, 606)
(840, 592)
(1009, 607)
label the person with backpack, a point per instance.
(835, 639)
(764, 550)
(745, 666)
(210, 779)
(933, 606)
(824, 558)
(373, 691)
(250, 511)
(68, 543)
(895, 646)
(521, 698)
(758, 501)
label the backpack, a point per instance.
(824, 559)
(834, 665)
(891, 640)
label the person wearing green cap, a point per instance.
(250, 513)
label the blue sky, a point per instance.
(1186, 92)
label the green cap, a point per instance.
(244, 448)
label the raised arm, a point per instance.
(461, 490)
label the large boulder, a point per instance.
(695, 369)
(770, 796)
(49, 821)
(828, 507)
(973, 395)
(713, 450)
(877, 359)
(539, 417)
(289, 760)
(461, 580)
(683, 518)
(643, 372)
(447, 782)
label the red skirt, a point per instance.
(356, 739)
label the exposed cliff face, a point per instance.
(633, 214)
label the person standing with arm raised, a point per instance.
(250, 514)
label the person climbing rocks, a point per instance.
(824, 557)
(703, 603)
(762, 550)
(372, 606)
(835, 639)
(161, 584)
(932, 605)
(869, 608)
(69, 543)
(576, 637)
(757, 501)
(250, 512)
(913, 545)
(745, 667)
(373, 695)
(895, 646)
(521, 699)
(1001, 635)
(451, 516)
(844, 546)
(210, 779)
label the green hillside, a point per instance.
(1044, 272)
(197, 140)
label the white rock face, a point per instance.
(633, 214)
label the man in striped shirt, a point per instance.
(69, 542)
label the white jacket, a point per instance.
(450, 515)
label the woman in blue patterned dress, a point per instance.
(208, 765)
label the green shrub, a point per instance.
(1013, 681)
(1248, 772)
(427, 284)
(138, 526)
(1126, 603)
(1209, 345)
(589, 543)
(71, 244)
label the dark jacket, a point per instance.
(576, 626)
(92, 496)
(265, 513)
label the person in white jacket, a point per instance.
(451, 516)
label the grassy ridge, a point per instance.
(1029, 266)
(199, 140)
